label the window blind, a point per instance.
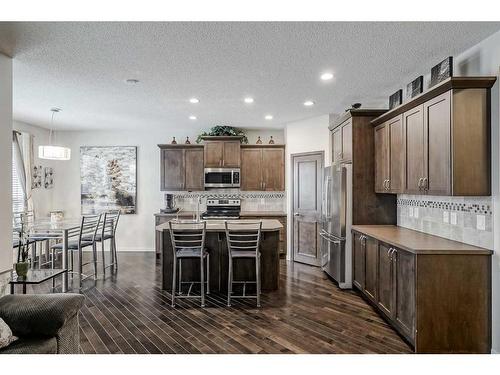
(17, 190)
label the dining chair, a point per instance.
(85, 236)
(243, 241)
(188, 242)
(107, 231)
(28, 219)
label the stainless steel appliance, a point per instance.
(336, 249)
(222, 209)
(222, 177)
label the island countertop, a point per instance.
(268, 225)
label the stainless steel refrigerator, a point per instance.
(336, 249)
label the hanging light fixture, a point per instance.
(50, 151)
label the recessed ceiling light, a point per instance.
(248, 100)
(132, 81)
(194, 100)
(308, 103)
(192, 117)
(268, 117)
(326, 76)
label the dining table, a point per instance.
(63, 229)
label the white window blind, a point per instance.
(17, 190)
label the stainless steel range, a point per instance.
(222, 209)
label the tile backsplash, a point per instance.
(250, 201)
(464, 219)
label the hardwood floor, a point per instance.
(128, 313)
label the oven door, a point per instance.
(218, 177)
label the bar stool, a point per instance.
(86, 234)
(107, 231)
(188, 242)
(243, 240)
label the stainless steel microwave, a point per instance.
(222, 177)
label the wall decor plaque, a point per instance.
(442, 71)
(396, 99)
(415, 87)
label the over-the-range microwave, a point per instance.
(222, 177)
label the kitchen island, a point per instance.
(215, 242)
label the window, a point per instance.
(17, 190)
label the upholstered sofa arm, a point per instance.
(40, 314)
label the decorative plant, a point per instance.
(221, 130)
(23, 266)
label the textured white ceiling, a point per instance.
(81, 67)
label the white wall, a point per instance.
(484, 59)
(303, 136)
(5, 165)
(42, 198)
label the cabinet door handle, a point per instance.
(263, 185)
(425, 186)
(420, 183)
(388, 184)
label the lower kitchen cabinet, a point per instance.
(281, 219)
(435, 292)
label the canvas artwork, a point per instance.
(396, 99)
(36, 177)
(108, 179)
(442, 71)
(415, 87)
(48, 180)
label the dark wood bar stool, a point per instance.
(188, 242)
(243, 240)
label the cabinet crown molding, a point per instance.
(440, 88)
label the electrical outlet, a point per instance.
(453, 218)
(415, 212)
(481, 222)
(446, 217)
(411, 211)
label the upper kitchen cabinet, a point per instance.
(341, 141)
(181, 167)
(263, 167)
(389, 156)
(445, 135)
(222, 152)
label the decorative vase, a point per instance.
(271, 141)
(187, 141)
(174, 142)
(259, 141)
(22, 269)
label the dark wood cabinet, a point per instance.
(181, 167)
(371, 272)
(283, 232)
(263, 168)
(342, 142)
(382, 155)
(386, 291)
(404, 296)
(222, 152)
(435, 292)
(358, 260)
(444, 138)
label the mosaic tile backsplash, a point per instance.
(457, 218)
(250, 201)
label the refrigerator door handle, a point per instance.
(325, 236)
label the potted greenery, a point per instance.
(22, 267)
(222, 131)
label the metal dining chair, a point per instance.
(243, 241)
(85, 237)
(107, 231)
(188, 242)
(28, 219)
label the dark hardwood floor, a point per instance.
(128, 313)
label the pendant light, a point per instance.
(50, 151)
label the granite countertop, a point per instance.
(418, 242)
(262, 213)
(268, 225)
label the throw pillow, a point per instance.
(6, 337)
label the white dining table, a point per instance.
(62, 229)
